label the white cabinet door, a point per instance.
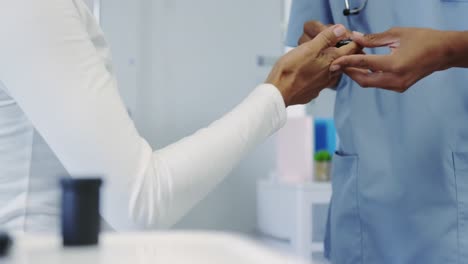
(90, 3)
(95, 6)
(121, 22)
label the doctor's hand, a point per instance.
(302, 73)
(414, 54)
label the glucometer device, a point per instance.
(343, 43)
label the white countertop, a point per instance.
(160, 248)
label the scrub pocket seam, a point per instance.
(346, 214)
(358, 209)
(458, 204)
(460, 168)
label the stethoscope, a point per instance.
(348, 11)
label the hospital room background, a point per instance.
(178, 64)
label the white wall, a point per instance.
(324, 105)
(129, 26)
(181, 64)
(200, 61)
(120, 20)
(90, 3)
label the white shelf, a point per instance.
(147, 247)
(294, 214)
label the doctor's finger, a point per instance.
(375, 40)
(368, 62)
(366, 79)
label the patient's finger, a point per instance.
(304, 38)
(350, 49)
(314, 27)
(326, 39)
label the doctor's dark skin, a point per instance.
(301, 74)
(414, 54)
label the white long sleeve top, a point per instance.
(61, 114)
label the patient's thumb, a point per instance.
(327, 38)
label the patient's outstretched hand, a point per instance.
(302, 73)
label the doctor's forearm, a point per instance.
(457, 49)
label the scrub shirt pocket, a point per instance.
(346, 234)
(461, 174)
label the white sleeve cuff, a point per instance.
(269, 94)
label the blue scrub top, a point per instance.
(400, 176)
